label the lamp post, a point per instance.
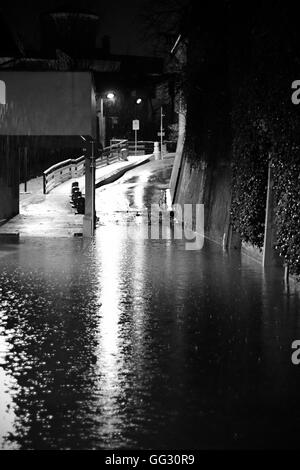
(136, 123)
(102, 123)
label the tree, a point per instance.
(161, 23)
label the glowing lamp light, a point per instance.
(138, 101)
(110, 96)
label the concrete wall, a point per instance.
(9, 177)
(179, 154)
(45, 112)
(48, 103)
(211, 186)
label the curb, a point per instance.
(116, 174)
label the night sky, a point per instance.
(118, 19)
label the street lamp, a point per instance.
(102, 127)
(139, 101)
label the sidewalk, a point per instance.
(52, 214)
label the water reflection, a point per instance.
(138, 343)
(8, 388)
(109, 355)
(126, 342)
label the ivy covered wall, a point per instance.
(266, 127)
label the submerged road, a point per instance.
(127, 342)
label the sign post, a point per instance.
(135, 127)
(161, 135)
(161, 132)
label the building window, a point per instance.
(2, 92)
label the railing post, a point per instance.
(44, 183)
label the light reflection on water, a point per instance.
(109, 354)
(7, 386)
(139, 343)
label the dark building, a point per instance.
(69, 43)
(9, 158)
(29, 134)
(72, 31)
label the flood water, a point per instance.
(129, 343)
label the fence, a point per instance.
(63, 171)
(144, 147)
(74, 168)
(116, 151)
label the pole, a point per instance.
(161, 131)
(89, 215)
(102, 123)
(93, 185)
(286, 273)
(135, 147)
(25, 169)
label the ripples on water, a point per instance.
(122, 343)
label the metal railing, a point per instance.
(61, 172)
(144, 147)
(118, 150)
(74, 168)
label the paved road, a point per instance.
(52, 214)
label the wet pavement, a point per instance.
(51, 215)
(127, 342)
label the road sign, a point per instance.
(161, 134)
(136, 125)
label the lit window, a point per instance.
(2, 92)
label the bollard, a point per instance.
(124, 154)
(80, 205)
(76, 196)
(156, 150)
(74, 191)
